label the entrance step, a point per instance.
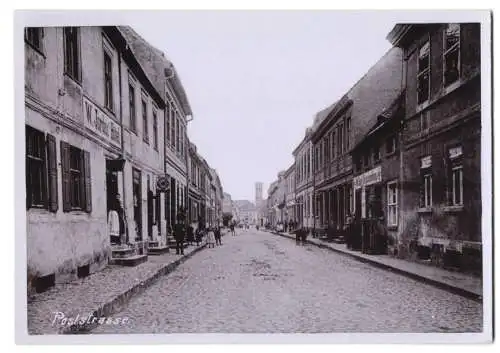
(153, 244)
(172, 245)
(158, 250)
(129, 261)
(122, 252)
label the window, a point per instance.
(423, 72)
(71, 53)
(426, 186)
(132, 111)
(167, 121)
(340, 140)
(177, 133)
(155, 130)
(76, 178)
(172, 126)
(392, 204)
(391, 145)
(34, 36)
(333, 144)
(455, 156)
(376, 154)
(41, 170)
(427, 194)
(458, 187)
(108, 82)
(451, 60)
(424, 121)
(366, 160)
(145, 132)
(36, 181)
(348, 132)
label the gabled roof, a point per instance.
(157, 66)
(387, 116)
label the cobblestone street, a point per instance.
(257, 282)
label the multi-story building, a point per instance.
(289, 180)
(304, 188)
(177, 114)
(195, 188)
(92, 144)
(376, 169)
(227, 203)
(440, 188)
(345, 124)
(258, 193)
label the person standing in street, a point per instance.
(232, 229)
(210, 238)
(179, 238)
(218, 236)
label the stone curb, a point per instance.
(446, 286)
(121, 300)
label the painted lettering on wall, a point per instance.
(372, 176)
(101, 124)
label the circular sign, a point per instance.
(162, 184)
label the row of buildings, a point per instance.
(106, 120)
(403, 145)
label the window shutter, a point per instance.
(52, 173)
(88, 182)
(65, 162)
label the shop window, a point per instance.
(76, 178)
(423, 73)
(34, 37)
(392, 204)
(72, 53)
(108, 81)
(41, 170)
(451, 60)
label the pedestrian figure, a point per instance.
(210, 238)
(190, 234)
(218, 236)
(232, 229)
(304, 236)
(179, 238)
(199, 236)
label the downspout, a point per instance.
(401, 162)
(122, 142)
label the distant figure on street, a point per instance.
(190, 234)
(232, 229)
(218, 236)
(199, 236)
(210, 238)
(179, 238)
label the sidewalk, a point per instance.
(459, 283)
(100, 294)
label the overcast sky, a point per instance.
(256, 79)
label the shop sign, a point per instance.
(426, 162)
(101, 124)
(455, 152)
(372, 176)
(162, 184)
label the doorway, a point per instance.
(136, 191)
(111, 195)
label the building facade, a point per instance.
(440, 217)
(83, 155)
(289, 180)
(304, 188)
(376, 169)
(347, 122)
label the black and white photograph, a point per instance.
(326, 175)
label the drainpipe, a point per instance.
(124, 197)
